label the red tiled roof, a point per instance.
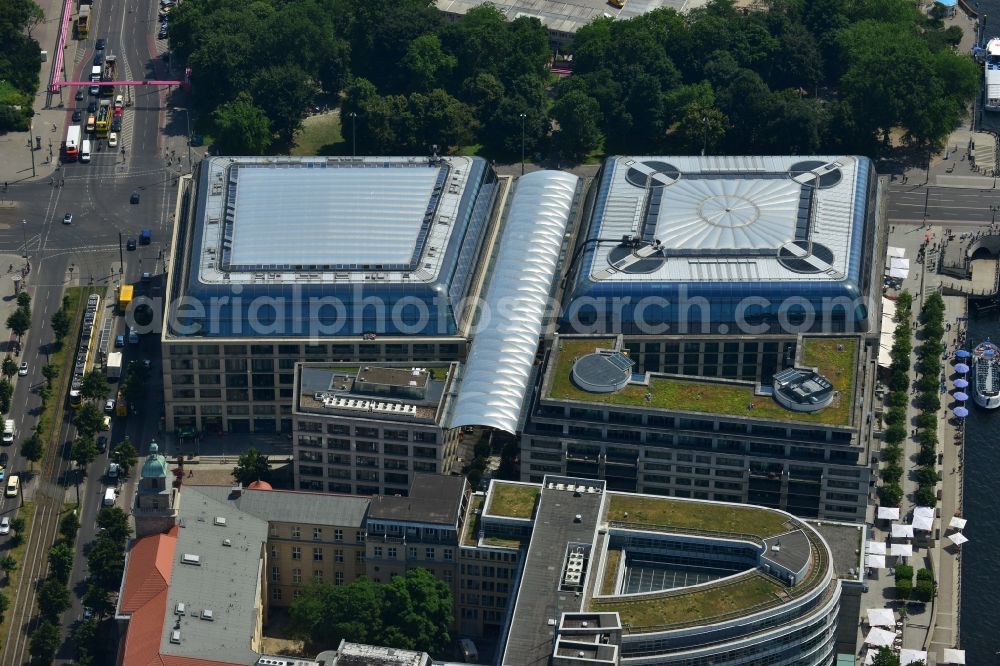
(144, 596)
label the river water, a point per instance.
(980, 626)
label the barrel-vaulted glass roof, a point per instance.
(513, 313)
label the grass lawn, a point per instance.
(715, 517)
(696, 606)
(513, 501)
(320, 135)
(715, 397)
(470, 535)
(610, 570)
(28, 513)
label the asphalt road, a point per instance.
(87, 252)
(953, 206)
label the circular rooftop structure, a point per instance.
(828, 178)
(260, 485)
(802, 390)
(602, 372)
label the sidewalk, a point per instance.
(15, 165)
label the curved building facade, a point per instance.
(726, 245)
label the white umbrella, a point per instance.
(895, 252)
(901, 550)
(870, 657)
(952, 656)
(907, 656)
(924, 512)
(901, 531)
(957, 538)
(923, 523)
(875, 561)
(958, 523)
(875, 548)
(880, 637)
(881, 617)
(888, 513)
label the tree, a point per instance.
(99, 600)
(24, 300)
(61, 323)
(53, 598)
(890, 495)
(283, 92)
(251, 466)
(9, 368)
(9, 565)
(411, 612)
(51, 372)
(125, 455)
(891, 473)
(61, 561)
(243, 128)
(106, 562)
(114, 522)
(925, 496)
(94, 385)
(4, 605)
(19, 322)
(895, 433)
(427, 64)
(88, 419)
(32, 449)
(85, 635)
(136, 382)
(885, 657)
(84, 451)
(578, 116)
(45, 641)
(69, 525)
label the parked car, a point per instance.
(79, 95)
(101, 43)
(109, 406)
(22, 371)
(134, 199)
(119, 341)
(130, 243)
(116, 124)
(91, 106)
(113, 140)
(3, 472)
(5, 525)
(68, 218)
(77, 115)
(3, 459)
(102, 443)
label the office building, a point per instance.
(368, 429)
(281, 260)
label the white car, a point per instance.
(113, 140)
(109, 406)
(5, 525)
(22, 371)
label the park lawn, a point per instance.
(318, 134)
(678, 514)
(697, 605)
(513, 500)
(27, 511)
(610, 570)
(835, 359)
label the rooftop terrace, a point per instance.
(834, 358)
(665, 513)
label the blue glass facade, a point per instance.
(644, 307)
(275, 309)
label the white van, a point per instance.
(85, 151)
(109, 497)
(13, 485)
(9, 431)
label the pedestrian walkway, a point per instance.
(49, 124)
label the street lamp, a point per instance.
(354, 134)
(523, 117)
(31, 149)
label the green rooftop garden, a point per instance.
(513, 500)
(471, 531)
(716, 397)
(696, 516)
(699, 606)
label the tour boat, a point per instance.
(986, 375)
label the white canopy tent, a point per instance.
(923, 518)
(957, 538)
(875, 561)
(901, 550)
(899, 262)
(899, 273)
(895, 252)
(881, 617)
(875, 548)
(880, 637)
(885, 341)
(957, 523)
(888, 513)
(952, 656)
(907, 656)
(902, 531)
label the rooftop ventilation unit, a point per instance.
(220, 521)
(188, 558)
(175, 636)
(227, 542)
(179, 608)
(208, 615)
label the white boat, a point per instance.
(991, 70)
(986, 375)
